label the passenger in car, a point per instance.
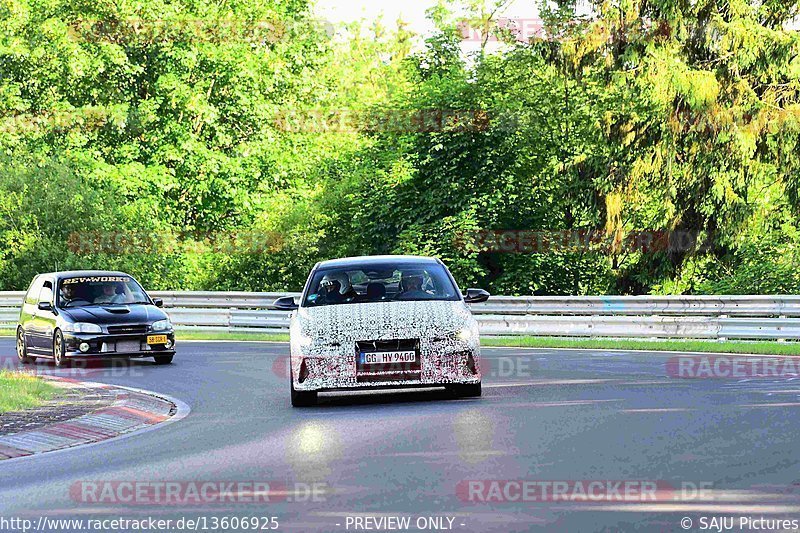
(110, 295)
(347, 291)
(412, 286)
(375, 292)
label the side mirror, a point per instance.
(475, 296)
(286, 303)
(158, 302)
(44, 306)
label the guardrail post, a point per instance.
(722, 339)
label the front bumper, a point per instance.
(456, 363)
(105, 345)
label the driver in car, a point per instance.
(68, 294)
(111, 296)
(330, 292)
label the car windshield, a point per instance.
(100, 290)
(380, 283)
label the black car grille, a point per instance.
(127, 329)
(376, 377)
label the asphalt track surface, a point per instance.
(545, 415)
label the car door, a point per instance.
(45, 320)
(27, 315)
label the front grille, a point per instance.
(127, 329)
(376, 377)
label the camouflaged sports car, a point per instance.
(382, 322)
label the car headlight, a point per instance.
(466, 334)
(83, 327)
(304, 340)
(161, 325)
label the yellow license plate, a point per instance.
(156, 339)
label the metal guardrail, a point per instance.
(688, 317)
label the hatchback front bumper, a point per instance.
(339, 371)
(121, 345)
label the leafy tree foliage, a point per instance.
(202, 122)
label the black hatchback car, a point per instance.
(92, 314)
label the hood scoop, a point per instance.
(117, 310)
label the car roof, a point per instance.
(368, 260)
(84, 273)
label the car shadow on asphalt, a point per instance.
(349, 399)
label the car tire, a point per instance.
(465, 391)
(22, 349)
(303, 398)
(58, 349)
(164, 359)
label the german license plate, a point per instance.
(128, 346)
(156, 339)
(383, 358)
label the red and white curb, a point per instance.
(133, 411)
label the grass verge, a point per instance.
(765, 347)
(22, 391)
(183, 335)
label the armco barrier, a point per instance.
(689, 317)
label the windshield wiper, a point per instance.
(87, 304)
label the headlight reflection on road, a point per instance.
(311, 438)
(474, 431)
(311, 449)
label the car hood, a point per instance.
(116, 314)
(382, 320)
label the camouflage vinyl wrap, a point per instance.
(325, 338)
